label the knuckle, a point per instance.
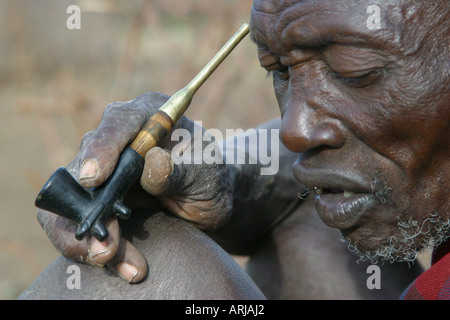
(149, 102)
(113, 107)
(153, 97)
(130, 113)
(86, 138)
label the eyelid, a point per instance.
(356, 74)
(273, 65)
(364, 79)
(276, 67)
(279, 73)
(267, 59)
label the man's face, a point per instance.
(368, 112)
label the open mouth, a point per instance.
(342, 197)
(346, 194)
(342, 209)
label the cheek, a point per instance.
(428, 191)
(409, 116)
(401, 131)
(394, 119)
(410, 151)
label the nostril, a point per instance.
(327, 134)
(302, 138)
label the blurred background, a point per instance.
(56, 82)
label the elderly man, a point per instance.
(365, 119)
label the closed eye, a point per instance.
(281, 73)
(359, 79)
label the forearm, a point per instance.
(264, 188)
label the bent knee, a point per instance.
(183, 262)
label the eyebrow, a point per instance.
(316, 43)
(326, 39)
(256, 40)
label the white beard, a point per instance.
(405, 245)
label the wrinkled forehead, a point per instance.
(276, 6)
(277, 22)
(280, 21)
(273, 6)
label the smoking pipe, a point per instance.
(90, 209)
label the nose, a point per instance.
(305, 127)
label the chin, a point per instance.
(401, 243)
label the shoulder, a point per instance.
(433, 284)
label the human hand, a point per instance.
(199, 193)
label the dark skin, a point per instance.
(353, 103)
(232, 189)
(359, 107)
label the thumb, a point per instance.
(157, 171)
(198, 193)
(167, 174)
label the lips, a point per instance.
(342, 198)
(342, 209)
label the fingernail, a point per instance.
(126, 271)
(96, 249)
(89, 169)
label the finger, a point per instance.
(183, 171)
(102, 147)
(120, 123)
(198, 193)
(101, 252)
(61, 232)
(166, 173)
(129, 263)
(158, 169)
